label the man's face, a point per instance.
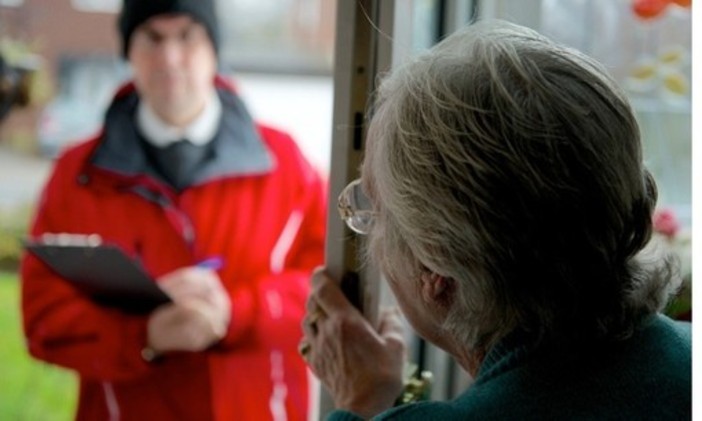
(174, 64)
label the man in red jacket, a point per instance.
(179, 174)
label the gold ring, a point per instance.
(304, 348)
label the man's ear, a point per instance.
(435, 288)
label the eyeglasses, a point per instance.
(355, 208)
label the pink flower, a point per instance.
(666, 223)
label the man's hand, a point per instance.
(190, 326)
(193, 282)
(199, 315)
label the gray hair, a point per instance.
(513, 166)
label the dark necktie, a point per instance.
(179, 162)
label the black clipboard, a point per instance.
(103, 272)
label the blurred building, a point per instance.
(55, 31)
(79, 47)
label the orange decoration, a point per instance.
(649, 9)
(683, 3)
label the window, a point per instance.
(11, 3)
(105, 6)
(285, 36)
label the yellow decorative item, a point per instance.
(676, 83)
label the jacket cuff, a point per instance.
(242, 317)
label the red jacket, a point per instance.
(265, 215)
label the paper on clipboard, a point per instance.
(101, 271)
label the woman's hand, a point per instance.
(360, 366)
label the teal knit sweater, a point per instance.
(647, 377)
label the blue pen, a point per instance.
(212, 263)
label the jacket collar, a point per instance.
(238, 149)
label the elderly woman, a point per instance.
(508, 208)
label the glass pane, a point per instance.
(426, 24)
(284, 35)
(648, 52)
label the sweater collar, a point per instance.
(506, 353)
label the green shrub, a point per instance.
(29, 389)
(14, 223)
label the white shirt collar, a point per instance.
(161, 134)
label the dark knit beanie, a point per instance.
(136, 12)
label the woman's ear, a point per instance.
(435, 288)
